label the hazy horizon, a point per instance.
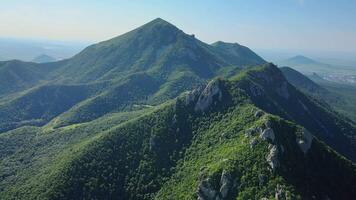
(313, 25)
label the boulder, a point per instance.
(305, 140)
(206, 191)
(268, 133)
(259, 113)
(225, 184)
(253, 143)
(206, 98)
(272, 157)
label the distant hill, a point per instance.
(341, 97)
(339, 74)
(300, 60)
(43, 58)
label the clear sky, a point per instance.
(271, 24)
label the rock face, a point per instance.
(206, 190)
(268, 134)
(272, 157)
(305, 140)
(225, 183)
(259, 113)
(206, 98)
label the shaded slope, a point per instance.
(270, 91)
(39, 105)
(339, 96)
(16, 75)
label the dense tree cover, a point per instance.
(105, 125)
(270, 91)
(167, 152)
(149, 65)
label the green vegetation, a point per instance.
(168, 151)
(144, 116)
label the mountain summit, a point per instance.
(157, 47)
(150, 64)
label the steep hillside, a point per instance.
(269, 90)
(339, 96)
(211, 143)
(16, 75)
(149, 65)
(158, 48)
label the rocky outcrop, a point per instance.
(305, 140)
(280, 193)
(272, 157)
(206, 98)
(253, 131)
(268, 134)
(253, 143)
(259, 113)
(225, 184)
(206, 190)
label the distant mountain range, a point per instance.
(158, 114)
(338, 74)
(28, 49)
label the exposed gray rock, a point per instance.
(268, 134)
(174, 120)
(280, 193)
(305, 140)
(253, 143)
(268, 124)
(252, 131)
(262, 179)
(206, 98)
(193, 95)
(206, 191)
(225, 184)
(152, 143)
(272, 157)
(259, 113)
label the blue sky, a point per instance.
(328, 25)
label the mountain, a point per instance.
(300, 60)
(157, 114)
(16, 75)
(334, 73)
(43, 58)
(153, 63)
(212, 142)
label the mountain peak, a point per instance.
(300, 59)
(159, 22)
